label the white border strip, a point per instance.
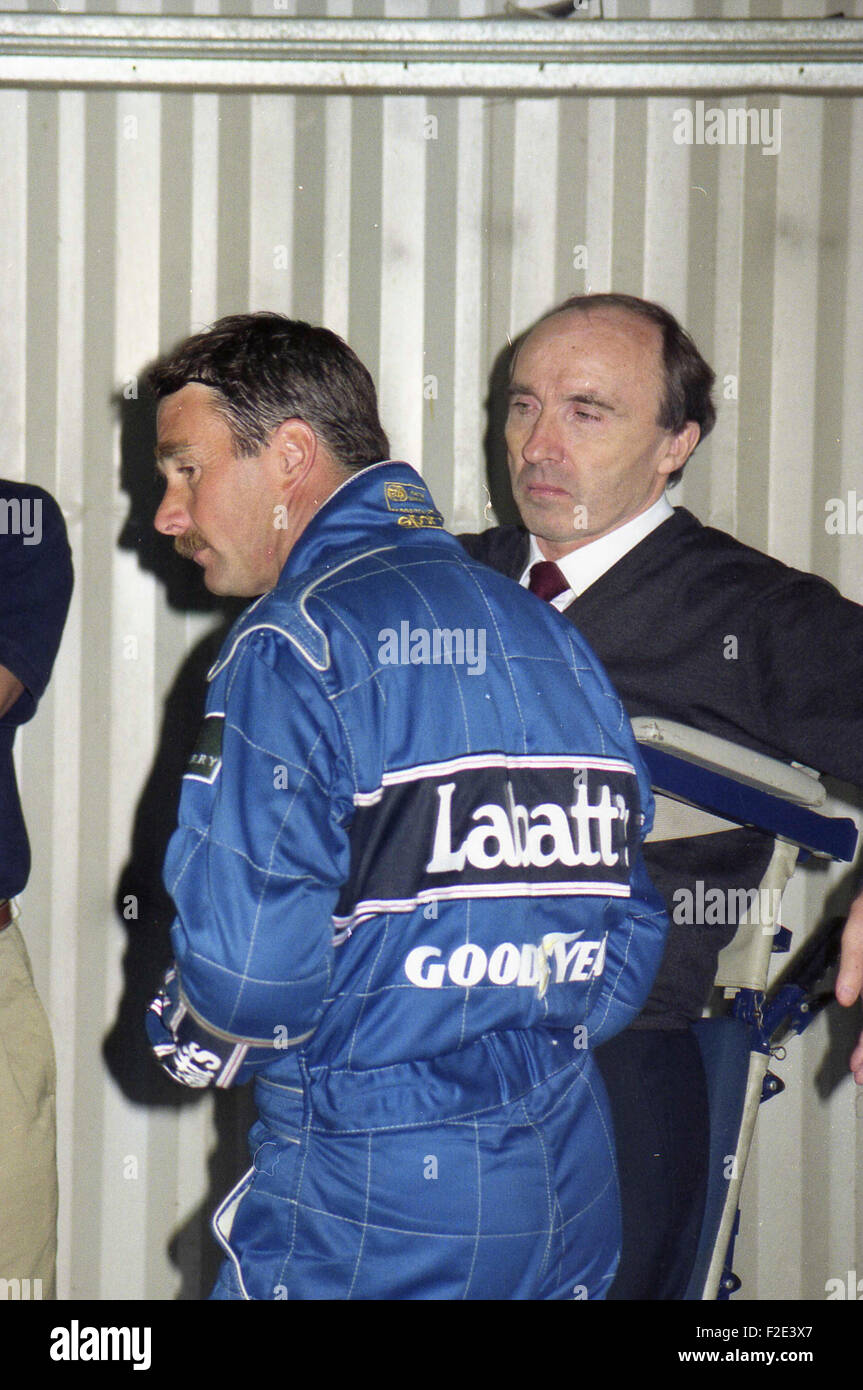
(375, 907)
(473, 761)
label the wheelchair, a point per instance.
(704, 785)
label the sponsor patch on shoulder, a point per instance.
(205, 760)
(412, 503)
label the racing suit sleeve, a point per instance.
(254, 868)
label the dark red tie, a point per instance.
(546, 580)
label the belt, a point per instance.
(5, 913)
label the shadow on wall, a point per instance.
(143, 907)
(494, 446)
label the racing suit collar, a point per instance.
(352, 516)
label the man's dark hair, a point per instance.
(688, 378)
(265, 368)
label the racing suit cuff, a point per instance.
(188, 1051)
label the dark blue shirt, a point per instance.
(35, 588)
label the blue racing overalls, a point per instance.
(410, 900)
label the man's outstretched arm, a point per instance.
(849, 982)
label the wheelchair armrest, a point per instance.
(751, 790)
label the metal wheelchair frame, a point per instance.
(703, 785)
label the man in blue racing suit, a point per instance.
(407, 872)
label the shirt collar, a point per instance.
(584, 566)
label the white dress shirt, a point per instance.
(582, 567)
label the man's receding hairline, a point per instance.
(586, 309)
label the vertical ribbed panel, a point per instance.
(468, 381)
(402, 281)
(13, 287)
(426, 229)
(534, 210)
(271, 203)
(68, 687)
(133, 710)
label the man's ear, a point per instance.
(296, 445)
(680, 447)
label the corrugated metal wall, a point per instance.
(426, 229)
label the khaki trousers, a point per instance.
(28, 1165)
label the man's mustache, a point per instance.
(189, 544)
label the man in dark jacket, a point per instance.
(608, 397)
(35, 588)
